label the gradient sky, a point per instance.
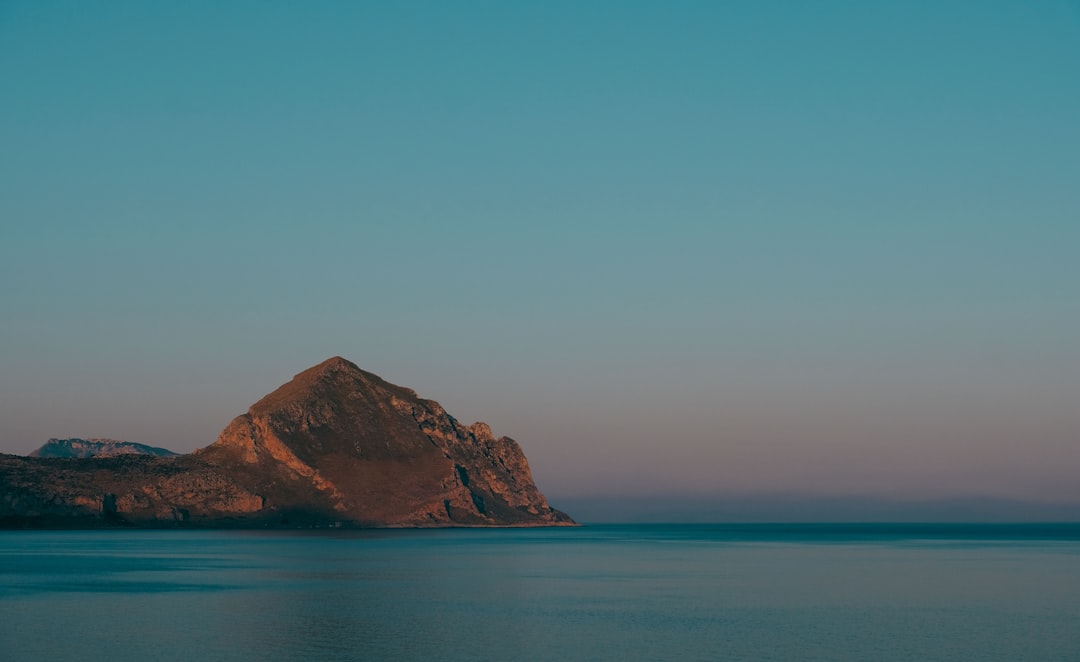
(828, 248)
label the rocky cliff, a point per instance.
(336, 446)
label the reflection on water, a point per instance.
(605, 592)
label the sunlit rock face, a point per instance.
(336, 446)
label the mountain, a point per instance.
(97, 448)
(336, 446)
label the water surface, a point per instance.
(611, 592)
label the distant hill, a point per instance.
(84, 448)
(336, 446)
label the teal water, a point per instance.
(611, 592)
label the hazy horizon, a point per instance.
(685, 248)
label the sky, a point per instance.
(672, 248)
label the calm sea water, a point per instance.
(694, 592)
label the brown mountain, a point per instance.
(336, 446)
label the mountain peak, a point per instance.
(335, 379)
(328, 369)
(374, 451)
(336, 363)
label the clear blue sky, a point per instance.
(671, 247)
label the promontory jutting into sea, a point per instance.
(336, 446)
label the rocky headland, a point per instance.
(336, 446)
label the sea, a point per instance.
(597, 592)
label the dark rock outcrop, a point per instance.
(336, 446)
(97, 448)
